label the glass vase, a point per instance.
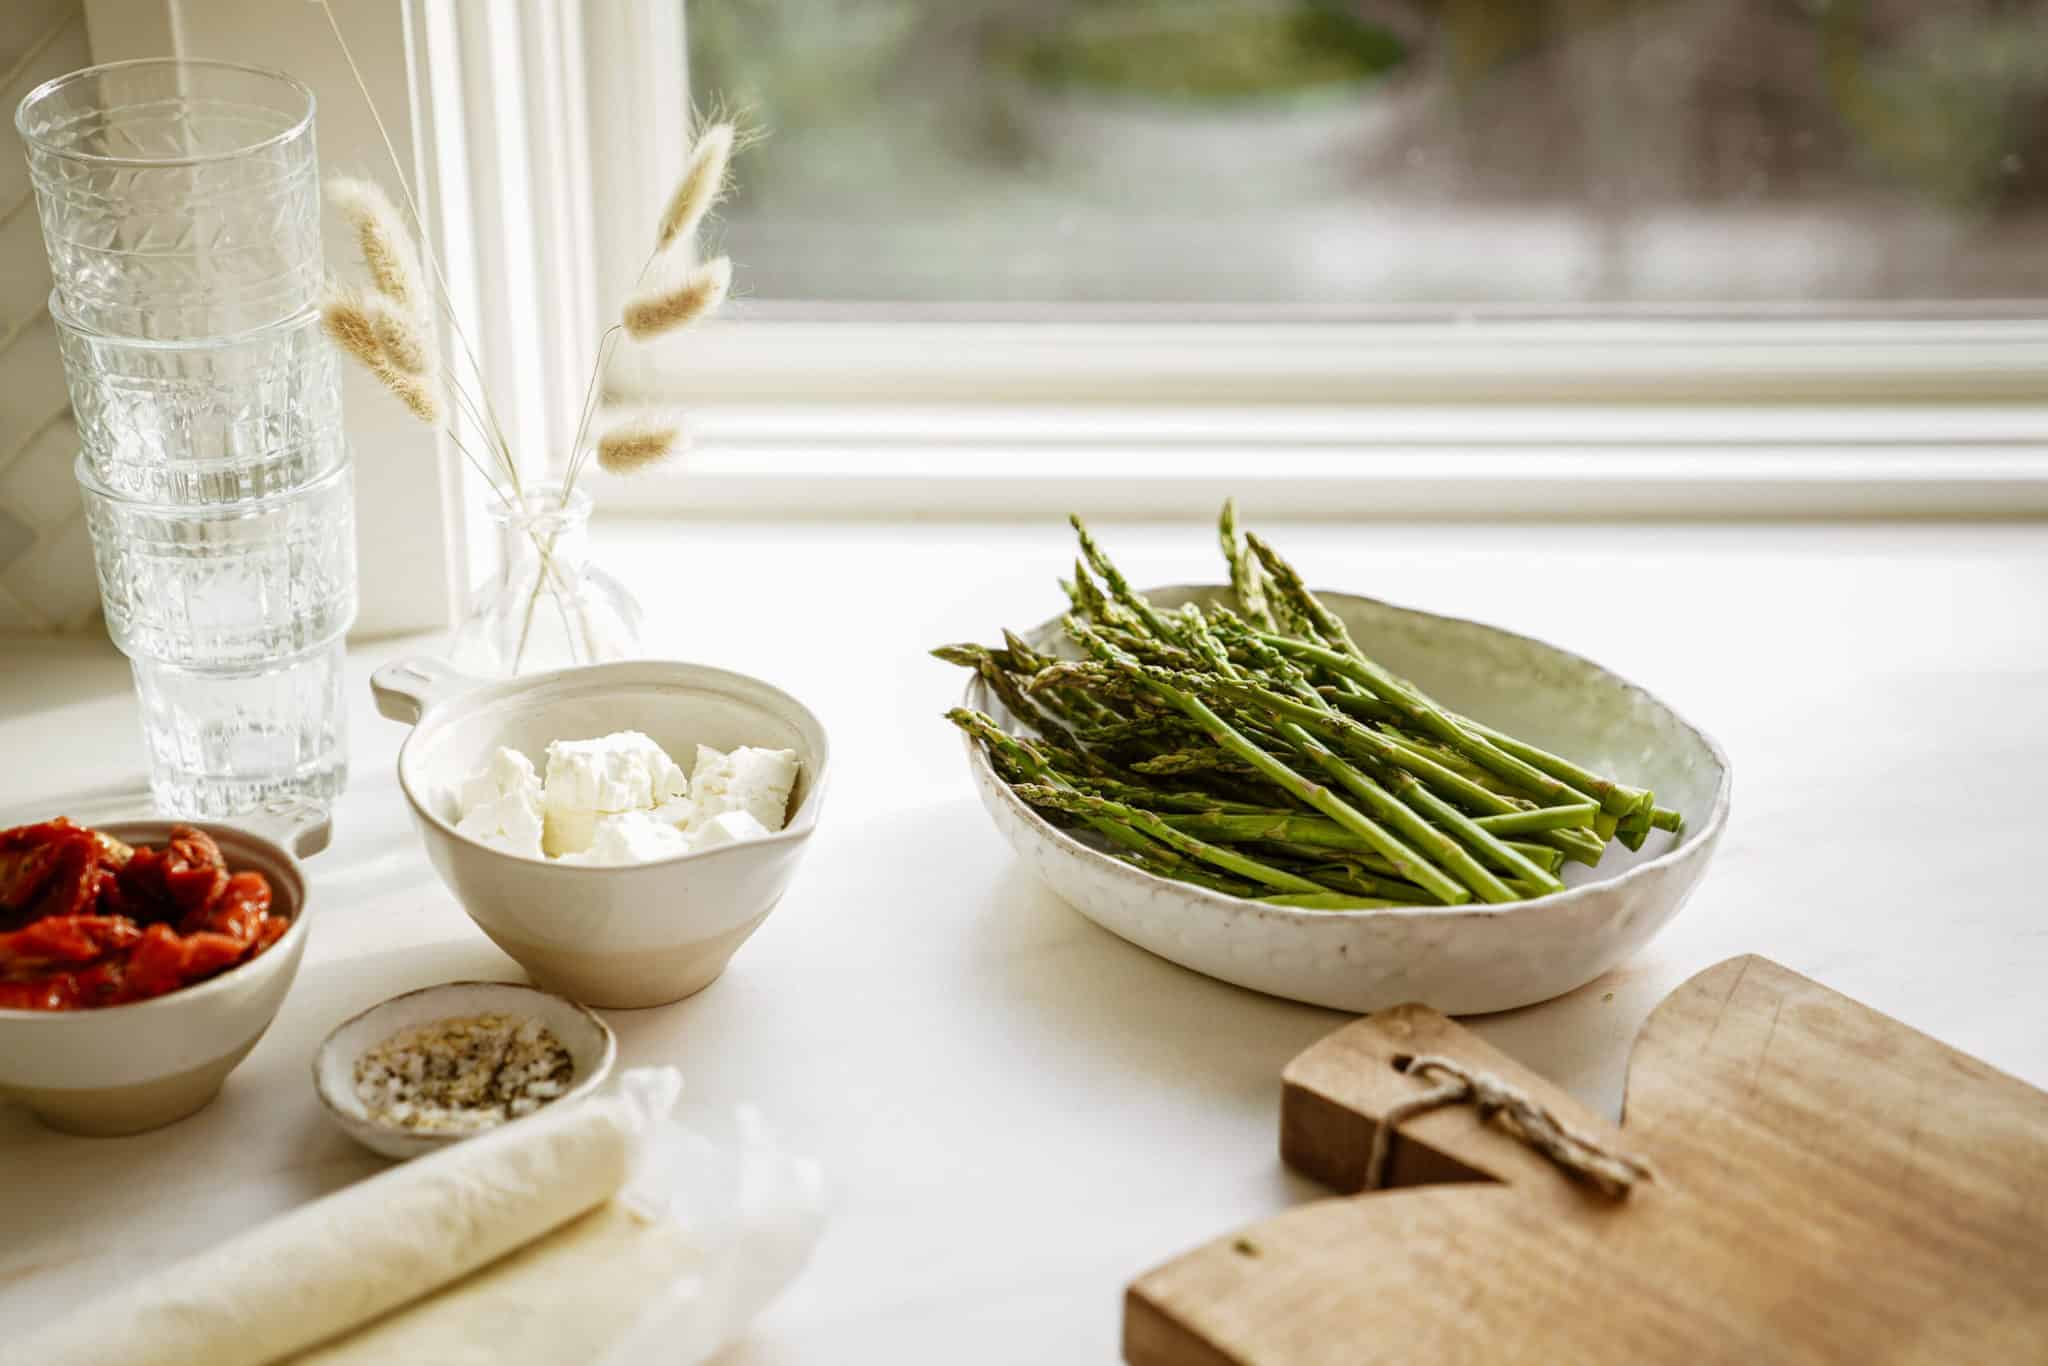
(545, 605)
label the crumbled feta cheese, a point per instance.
(630, 837)
(501, 805)
(621, 799)
(756, 781)
(728, 827)
(588, 779)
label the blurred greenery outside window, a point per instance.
(1296, 158)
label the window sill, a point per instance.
(1514, 462)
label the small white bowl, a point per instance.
(592, 1051)
(1460, 959)
(641, 934)
(125, 1069)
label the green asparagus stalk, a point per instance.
(1407, 862)
(1101, 809)
(1023, 759)
(1190, 761)
(1372, 787)
(1617, 799)
(1484, 843)
(1578, 817)
(1119, 587)
(1328, 901)
(1354, 880)
(1432, 842)
(1244, 575)
(1188, 872)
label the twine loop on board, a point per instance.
(1611, 1173)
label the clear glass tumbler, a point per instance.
(215, 420)
(225, 741)
(178, 198)
(226, 585)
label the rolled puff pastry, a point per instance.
(341, 1261)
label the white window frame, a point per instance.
(812, 412)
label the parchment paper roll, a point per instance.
(341, 1261)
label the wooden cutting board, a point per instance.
(1830, 1186)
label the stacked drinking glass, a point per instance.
(180, 205)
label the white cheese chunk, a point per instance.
(588, 779)
(630, 837)
(500, 805)
(728, 828)
(756, 781)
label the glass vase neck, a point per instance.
(542, 518)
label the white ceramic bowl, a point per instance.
(592, 1051)
(124, 1069)
(640, 934)
(1464, 959)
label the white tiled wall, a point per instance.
(46, 574)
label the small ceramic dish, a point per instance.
(592, 1049)
(640, 934)
(1459, 959)
(125, 1069)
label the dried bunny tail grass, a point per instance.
(387, 247)
(667, 306)
(345, 315)
(352, 321)
(640, 442)
(702, 184)
(403, 343)
(415, 392)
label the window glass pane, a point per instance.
(1387, 155)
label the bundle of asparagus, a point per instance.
(1259, 752)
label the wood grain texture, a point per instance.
(1831, 1186)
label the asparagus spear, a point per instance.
(1100, 810)
(1206, 819)
(1119, 588)
(1371, 787)
(1406, 860)
(1187, 872)
(1023, 759)
(1244, 575)
(1329, 901)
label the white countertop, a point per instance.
(1018, 1111)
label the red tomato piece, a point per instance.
(64, 939)
(241, 908)
(184, 877)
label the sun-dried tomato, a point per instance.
(165, 960)
(183, 878)
(243, 905)
(64, 939)
(85, 921)
(55, 868)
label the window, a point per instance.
(1360, 158)
(1413, 256)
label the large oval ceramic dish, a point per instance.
(1462, 959)
(127, 1068)
(639, 934)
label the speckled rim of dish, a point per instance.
(583, 1088)
(797, 827)
(976, 697)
